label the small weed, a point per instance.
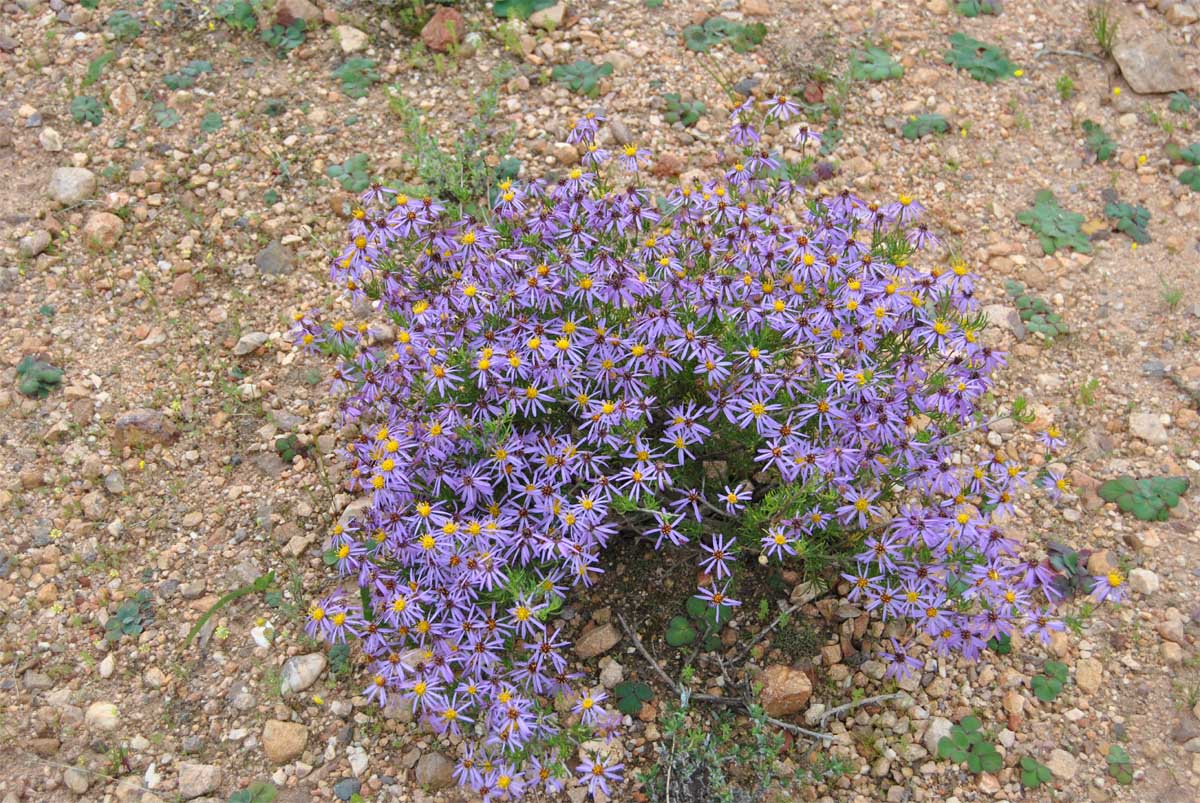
(351, 174)
(211, 122)
(86, 109)
(130, 618)
(966, 744)
(36, 378)
(630, 696)
(582, 77)
(165, 116)
(186, 77)
(237, 14)
(1172, 296)
(1036, 313)
(1180, 103)
(96, 68)
(257, 792)
(357, 76)
(1066, 87)
(687, 112)
(1087, 391)
(1098, 142)
(1147, 499)
(741, 38)
(519, 9)
(1104, 26)
(1047, 686)
(1054, 226)
(1191, 176)
(285, 40)
(1119, 765)
(1033, 773)
(923, 125)
(1131, 220)
(978, 8)
(288, 447)
(124, 26)
(981, 61)
(874, 64)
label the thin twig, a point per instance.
(732, 702)
(1077, 54)
(843, 709)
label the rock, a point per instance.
(347, 788)
(275, 259)
(1183, 14)
(565, 154)
(351, 39)
(1062, 764)
(667, 166)
(288, 11)
(102, 231)
(143, 427)
(1152, 65)
(1089, 674)
(283, 741)
(1172, 653)
(1143, 581)
(1148, 427)
(50, 140)
(1002, 316)
(107, 666)
(197, 780)
(250, 343)
(1186, 729)
(620, 132)
(597, 641)
(784, 690)
(123, 99)
(102, 716)
(756, 8)
(33, 244)
(1171, 629)
(71, 185)
(358, 758)
(611, 674)
(444, 29)
(938, 729)
(77, 780)
(301, 672)
(44, 747)
(184, 286)
(549, 18)
(434, 771)
(398, 709)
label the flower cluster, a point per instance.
(565, 369)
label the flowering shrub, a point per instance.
(737, 365)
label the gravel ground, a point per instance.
(162, 273)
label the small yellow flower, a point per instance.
(1133, 246)
(1142, 159)
(1116, 90)
(318, 699)
(1018, 73)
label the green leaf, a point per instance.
(519, 9)
(741, 38)
(991, 762)
(124, 26)
(582, 77)
(981, 61)
(86, 109)
(970, 723)
(976, 8)
(1054, 226)
(357, 75)
(211, 122)
(1180, 103)
(1098, 142)
(1056, 670)
(96, 67)
(925, 124)
(874, 64)
(680, 632)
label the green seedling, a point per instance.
(874, 64)
(1191, 176)
(1149, 499)
(582, 77)
(285, 40)
(978, 8)
(237, 14)
(519, 9)
(981, 61)
(86, 109)
(257, 792)
(925, 124)
(687, 112)
(1047, 686)
(721, 30)
(289, 447)
(1130, 220)
(1033, 773)
(351, 174)
(186, 77)
(680, 632)
(1037, 315)
(130, 618)
(1054, 226)
(966, 744)
(36, 378)
(1098, 142)
(1119, 765)
(124, 26)
(357, 76)
(630, 696)
(1181, 103)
